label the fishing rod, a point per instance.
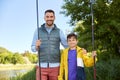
(37, 12)
(92, 24)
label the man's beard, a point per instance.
(50, 24)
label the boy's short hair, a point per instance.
(49, 10)
(72, 35)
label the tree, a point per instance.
(5, 57)
(106, 23)
(2, 50)
(31, 56)
(17, 58)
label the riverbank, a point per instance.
(16, 66)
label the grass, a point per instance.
(27, 76)
(105, 70)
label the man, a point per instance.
(49, 45)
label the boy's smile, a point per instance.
(72, 42)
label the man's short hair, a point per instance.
(72, 35)
(49, 10)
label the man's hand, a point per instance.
(38, 43)
(84, 51)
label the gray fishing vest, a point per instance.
(50, 43)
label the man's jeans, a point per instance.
(47, 73)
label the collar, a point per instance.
(49, 27)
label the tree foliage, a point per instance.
(32, 57)
(106, 23)
(17, 58)
(7, 57)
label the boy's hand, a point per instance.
(94, 53)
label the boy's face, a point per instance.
(72, 42)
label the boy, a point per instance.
(73, 59)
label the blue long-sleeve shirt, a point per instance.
(35, 38)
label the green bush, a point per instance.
(17, 58)
(105, 70)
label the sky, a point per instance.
(18, 22)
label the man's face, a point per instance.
(49, 18)
(72, 42)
